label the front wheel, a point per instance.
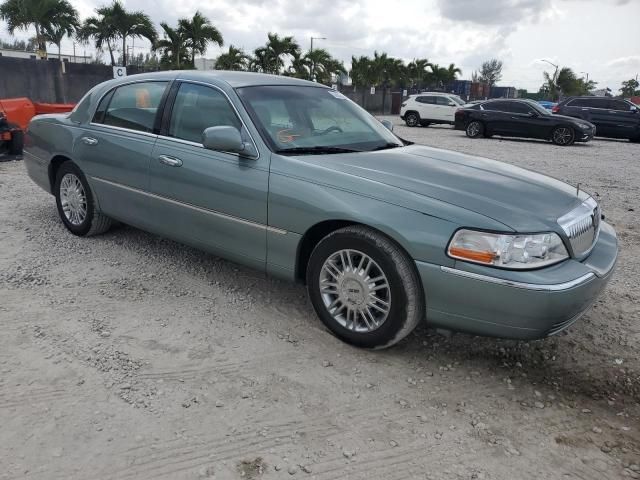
(412, 119)
(364, 288)
(635, 140)
(75, 202)
(474, 129)
(563, 136)
(17, 142)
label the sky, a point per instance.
(600, 38)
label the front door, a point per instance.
(624, 120)
(213, 200)
(113, 150)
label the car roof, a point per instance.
(233, 79)
(431, 93)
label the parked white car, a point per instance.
(430, 107)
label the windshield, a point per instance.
(306, 120)
(458, 100)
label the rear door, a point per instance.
(426, 107)
(114, 148)
(496, 117)
(596, 111)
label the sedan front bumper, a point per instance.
(517, 304)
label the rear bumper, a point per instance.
(520, 305)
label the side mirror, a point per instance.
(633, 109)
(452, 104)
(388, 124)
(532, 114)
(227, 139)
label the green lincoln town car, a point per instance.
(293, 178)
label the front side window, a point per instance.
(198, 107)
(442, 101)
(313, 119)
(517, 107)
(134, 106)
(619, 105)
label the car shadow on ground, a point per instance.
(5, 157)
(549, 361)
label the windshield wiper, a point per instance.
(318, 150)
(386, 146)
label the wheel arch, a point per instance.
(320, 230)
(54, 165)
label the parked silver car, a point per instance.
(292, 178)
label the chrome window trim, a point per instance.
(233, 106)
(551, 287)
(121, 129)
(215, 213)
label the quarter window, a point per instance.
(133, 106)
(197, 108)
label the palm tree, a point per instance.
(128, 24)
(453, 72)
(300, 67)
(233, 59)
(172, 47)
(39, 14)
(321, 63)
(277, 48)
(198, 33)
(260, 61)
(63, 24)
(417, 72)
(102, 31)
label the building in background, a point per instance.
(65, 57)
(205, 63)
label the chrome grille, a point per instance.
(582, 226)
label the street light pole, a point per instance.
(313, 64)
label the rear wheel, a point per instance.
(474, 129)
(75, 202)
(412, 119)
(563, 136)
(364, 288)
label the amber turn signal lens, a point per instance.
(475, 256)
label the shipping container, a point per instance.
(504, 92)
(462, 88)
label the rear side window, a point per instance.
(134, 106)
(497, 106)
(198, 107)
(588, 103)
(426, 99)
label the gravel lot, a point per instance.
(127, 356)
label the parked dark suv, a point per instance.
(612, 117)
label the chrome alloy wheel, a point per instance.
(73, 199)
(473, 129)
(562, 135)
(355, 291)
(412, 120)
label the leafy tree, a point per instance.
(103, 32)
(198, 33)
(417, 72)
(44, 16)
(64, 23)
(172, 47)
(564, 82)
(491, 72)
(440, 76)
(317, 63)
(233, 59)
(270, 58)
(630, 88)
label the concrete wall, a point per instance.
(48, 81)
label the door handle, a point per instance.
(170, 161)
(89, 141)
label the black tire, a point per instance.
(17, 142)
(412, 119)
(563, 136)
(94, 222)
(635, 140)
(474, 129)
(405, 295)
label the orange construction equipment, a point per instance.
(15, 115)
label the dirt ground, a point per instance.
(127, 356)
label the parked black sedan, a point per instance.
(521, 118)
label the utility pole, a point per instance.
(313, 65)
(74, 52)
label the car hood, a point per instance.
(520, 199)
(572, 120)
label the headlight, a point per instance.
(506, 250)
(586, 126)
